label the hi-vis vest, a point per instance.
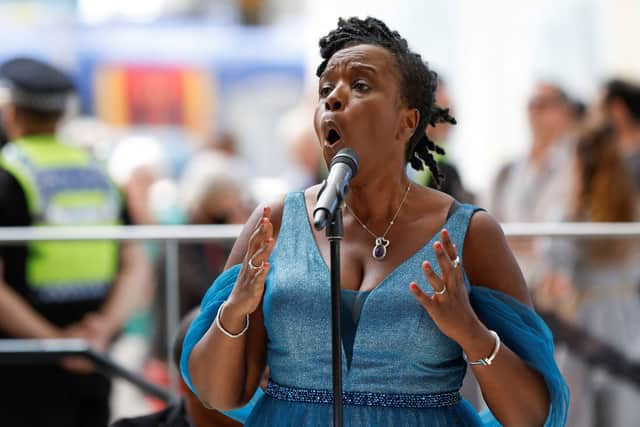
(64, 186)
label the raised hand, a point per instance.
(249, 288)
(449, 305)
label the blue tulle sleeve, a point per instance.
(217, 293)
(527, 335)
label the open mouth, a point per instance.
(332, 136)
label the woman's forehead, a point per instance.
(375, 58)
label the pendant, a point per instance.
(380, 249)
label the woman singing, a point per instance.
(411, 318)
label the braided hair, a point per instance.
(419, 83)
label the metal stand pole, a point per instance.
(335, 233)
(172, 306)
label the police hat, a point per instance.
(36, 85)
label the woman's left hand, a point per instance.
(449, 305)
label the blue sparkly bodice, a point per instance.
(397, 348)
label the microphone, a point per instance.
(344, 166)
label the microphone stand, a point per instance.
(335, 233)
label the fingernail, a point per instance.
(266, 264)
(413, 286)
(270, 240)
(438, 246)
(264, 221)
(445, 233)
(265, 211)
(426, 265)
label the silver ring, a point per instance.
(456, 262)
(442, 291)
(254, 267)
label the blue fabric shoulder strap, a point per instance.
(458, 222)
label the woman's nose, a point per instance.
(336, 100)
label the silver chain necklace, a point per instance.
(380, 247)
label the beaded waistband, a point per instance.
(392, 400)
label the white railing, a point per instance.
(184, 233)
(585, 230)
(194, 233)
(171, 236)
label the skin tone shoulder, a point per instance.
(360, 105)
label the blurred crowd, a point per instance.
(582, 165)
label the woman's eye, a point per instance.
(325, 91)
(361, 86)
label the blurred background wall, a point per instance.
(236, 67)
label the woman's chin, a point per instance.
(332, 148)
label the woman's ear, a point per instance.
(409, 122)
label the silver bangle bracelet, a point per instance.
(486, 361)
(216, 322)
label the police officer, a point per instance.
(57, 289)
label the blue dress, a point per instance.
(399, 369)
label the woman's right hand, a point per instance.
(249, 288)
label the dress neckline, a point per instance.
(451, 213)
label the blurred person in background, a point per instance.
(3, 134)
(579, 113)
(4, 99)
(301, 148)
(210, 192)
(451, 181)
(57, 289)
(621, 108)
(594, 283)
(535, 188)
(189, 411)
(135, 164)
(225, 144)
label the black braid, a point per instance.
(419, 82)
